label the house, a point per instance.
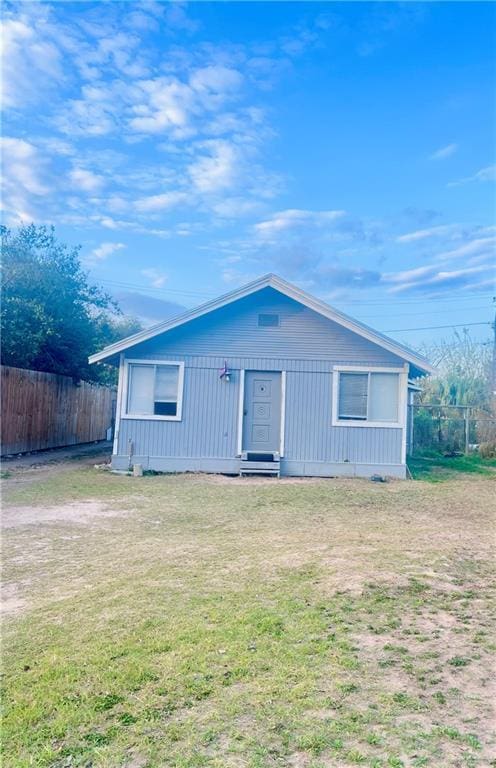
(264, 379)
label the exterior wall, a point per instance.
(233, 331)
(306, 346)
(207, 437)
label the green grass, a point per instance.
(256, 624)
(436, 468)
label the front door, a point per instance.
(262, 412)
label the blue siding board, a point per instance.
(210, 422)
(306, 346)
(234, 331)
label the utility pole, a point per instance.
(494, 361)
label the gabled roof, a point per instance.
(278, 284)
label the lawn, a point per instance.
(195, 621)
(437, 468)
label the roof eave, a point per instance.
(287, 289)
(168, 325)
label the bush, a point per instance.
(488, 450)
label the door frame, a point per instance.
(241, 402)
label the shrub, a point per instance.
(488, 450)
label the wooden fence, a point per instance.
(43, 410)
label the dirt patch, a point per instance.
(12, 603)
(78, 513)
(85, 453)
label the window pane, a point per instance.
(353, 395)
(166, 382)
(383, 405)
(165, 409)
(140, 389)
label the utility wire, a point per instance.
(435, 327)
(428, 312)
(361, 302)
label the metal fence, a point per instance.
(449, 428)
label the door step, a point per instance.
(270, 468)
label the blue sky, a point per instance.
(348, 147)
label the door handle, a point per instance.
(245, 413)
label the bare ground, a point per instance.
(69, 531)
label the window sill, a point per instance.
(151, 417)
(365, 423)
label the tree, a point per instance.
(464, 373)
(109, 329)
(52, 318)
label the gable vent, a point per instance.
(268, 321)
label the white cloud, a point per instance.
(215, 82)
(104, 251)
(432, 279)
(410, 275)
(95, 114)
(32, 63)
(218, 169)
(119, 85)
(162, 202)
(165, 104)
(23, 168)
(443, 152)
(157, 278)
(235, 207)
(472, 248)
(423, 234)
(294, 218)
(168, 104)
(485, 174)
(86, 180)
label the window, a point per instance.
(155, 390)
(353, 395)
(268, 321)
(368, 397)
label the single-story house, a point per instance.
(264, 379)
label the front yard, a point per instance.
(201, 621)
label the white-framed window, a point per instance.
(154, 390)
(368, 397)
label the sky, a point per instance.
(190, 148)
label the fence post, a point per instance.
(412, 429)
(466, 414)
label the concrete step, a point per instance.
(259, 468)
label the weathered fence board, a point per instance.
(42, 410)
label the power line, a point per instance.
(151, 289)
(435, 327)
(391, 299)
(372, 302)
(163, 292)
(430, 312)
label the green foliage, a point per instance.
(464, 373)
(433, 467)
(463, 378)
(488, 450)
(52, 318)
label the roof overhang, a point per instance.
(278, 284)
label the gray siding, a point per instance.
(234, 331)
(210, 424)
(310, 436)
(306, 346)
